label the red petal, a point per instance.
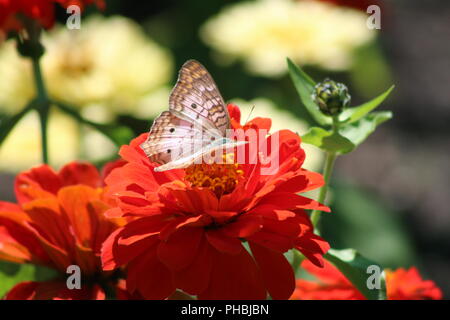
(313, 247)
(39, 182)
(244, 227)
(74, 201)
(234, 112)
(108, 251)
(80, 173)
(181, 248)
(110, 166)
(195, 278)
(150, 277)
(223, 243)
(259, 123)
(130, 241)
(285, 200)
(234, 277)
(276, 271)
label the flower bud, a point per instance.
(331, 97)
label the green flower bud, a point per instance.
(331, 97)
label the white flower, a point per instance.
(22, 148)
(281, 119)
(263, 33)
(109, 62)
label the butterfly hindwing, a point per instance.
(172, 138)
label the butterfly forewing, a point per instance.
(196, 98)
(172, 138)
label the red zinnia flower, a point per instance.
(57, 222)
(42, 11)
(190, 224)
(401, 284)
(331, 285)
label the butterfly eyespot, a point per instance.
(194, 105)
(172, 129)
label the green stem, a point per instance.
(327, 172)
(42, 106)
(329, 164)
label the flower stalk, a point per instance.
(327, 172)
(42, 106)
(29, 46)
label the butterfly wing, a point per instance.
(171, 139)
(195, 98)
(196, 118)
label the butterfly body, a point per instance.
(195, 125)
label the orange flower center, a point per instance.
(220, 178)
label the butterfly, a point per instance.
(195, 125)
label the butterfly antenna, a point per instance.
(248, 117)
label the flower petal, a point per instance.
(181, 248)
(234, 277)
(272, 263)
(244, 227)
(313, 247)
(150, 277)
(223, 243)
(195, 278)
(80, 173)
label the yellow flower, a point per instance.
(263, 33)
(22, 148)
(281, 119)
(108, 62)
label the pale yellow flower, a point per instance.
(281, 119)
(22, 148)
(109, 62)
(264, 32)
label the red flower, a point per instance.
(58, 221)
(405, 284)
(190, 225)
(40, 10)
(332, 285)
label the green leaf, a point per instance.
(328, 140)
(355, 268)
(358, 131)
(12, 274)
(354, 114)
(349, 136)
(305, 86)
(389, 244)
(119, 135)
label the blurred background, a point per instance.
(388, 197)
